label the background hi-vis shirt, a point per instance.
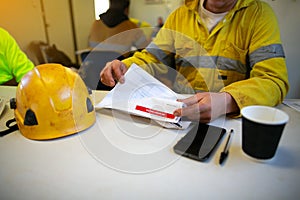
(13, 61)
(242, 55)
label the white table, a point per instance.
(121, 157)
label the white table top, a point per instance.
(123, 157)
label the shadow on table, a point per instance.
(284, 158)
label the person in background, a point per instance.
(14, 63)
(242, 37)
(159, 25)
(160, 22)
(114, 22)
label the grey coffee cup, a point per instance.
(262, 127)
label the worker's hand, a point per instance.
(113, 72)
(205, 107)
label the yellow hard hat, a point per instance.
(52, 101)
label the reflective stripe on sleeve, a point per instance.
(162, 56)
(266, 52)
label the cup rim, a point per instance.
(284, 116)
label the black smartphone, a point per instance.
(199, 142)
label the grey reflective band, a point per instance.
(266, 52)
(197, 61)
(213, 62)
(230, 64)
(167, 59)
(223, 63)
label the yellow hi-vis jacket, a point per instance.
(242, 55)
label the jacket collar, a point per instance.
(194, 4)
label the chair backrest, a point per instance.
(34, 52)
(92, 64)
(40, 52)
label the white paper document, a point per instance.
(293, 103)
(145, 96)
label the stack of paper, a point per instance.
(145, 96)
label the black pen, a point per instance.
(225, 152)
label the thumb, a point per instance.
(177, 113)
(123, 71)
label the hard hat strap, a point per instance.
(11, 128)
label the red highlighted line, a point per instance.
(155, 112)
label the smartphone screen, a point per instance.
(199, 142)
